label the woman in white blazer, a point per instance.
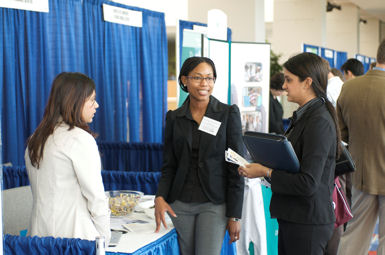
(63, 165)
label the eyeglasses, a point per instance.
(198, 79)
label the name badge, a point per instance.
(209, 126)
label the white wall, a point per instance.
(369, 37)
(297, 22)
(241, 16)
(342, 29)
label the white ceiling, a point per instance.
(370, 8)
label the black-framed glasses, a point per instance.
(198, 79)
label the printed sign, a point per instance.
(28, 5)
(122, 16)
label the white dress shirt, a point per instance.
(68, 192)
(334, 89)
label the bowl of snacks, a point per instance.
(123, 202)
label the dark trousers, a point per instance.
(303, 239)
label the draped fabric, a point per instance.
(228, 248)
(144, 157)
(329, 55)
(14, 177)
(166, 245)
(22, 245)
(147, 182)
(311, 48)
(128, 65)
(341, 57)
(17, 245)
(365, 60)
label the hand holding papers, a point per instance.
(233, 157)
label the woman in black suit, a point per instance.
(201, 192)
(302, 202)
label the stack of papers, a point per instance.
(233, 157)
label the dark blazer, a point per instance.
(275, 116)
(220, 180)
(306, 197)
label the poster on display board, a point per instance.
(192, 46)
(195, 44)
(218, 52)
(250, 84)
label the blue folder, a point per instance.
(271, 150)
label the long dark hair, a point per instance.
(68, 94)
(310, 65)
(189, 65)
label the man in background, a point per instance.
(334, 85)
(275, 109)
(352, 68)
(361, 114)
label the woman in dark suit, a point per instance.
(302, 202)
(201, 192)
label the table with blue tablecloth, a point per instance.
(164, 243)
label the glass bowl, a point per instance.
(123, 202)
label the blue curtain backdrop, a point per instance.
(365, 61)
(329, 55)
(128, 65)
(311, 48)
(341, 57)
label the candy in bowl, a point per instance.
(123, 202)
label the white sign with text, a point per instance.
(122, 16)
(28, 5)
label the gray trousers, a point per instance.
(201, 227)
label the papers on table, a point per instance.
(233, 157)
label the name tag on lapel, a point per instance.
(209, 126)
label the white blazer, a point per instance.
(68, 192)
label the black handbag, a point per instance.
(345, 163)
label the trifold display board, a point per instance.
(250, 81)
(243, 72)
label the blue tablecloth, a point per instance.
(113, 180)
(21, 245)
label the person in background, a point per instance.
(334, 85)
(333, 91)
(361, 114)
(372, 65)
(63, 164)
(302, 201)
(275, 110)
(337, 72)
(202, 193)
(352, 68)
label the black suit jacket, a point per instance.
(306, 197)
(220, 180)
(275, 116)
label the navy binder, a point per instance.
(271, 150)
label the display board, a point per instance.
(250, 79)
(218, 51)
